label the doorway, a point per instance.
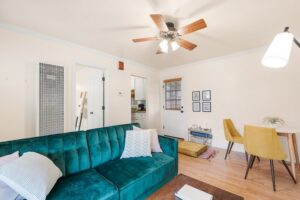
(174, 116)
(138, 101)
(90, 95)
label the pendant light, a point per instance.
(279, 51)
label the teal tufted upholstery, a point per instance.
(135, 176)
(91, 166)
(106, 143)
(86, 185)
(69, 151)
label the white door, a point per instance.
(89, 80)
(95, 100)
(174, 116)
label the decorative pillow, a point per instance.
(5, 191)
(155, 146)
(8, 158)
(137, 144)
(32, 175)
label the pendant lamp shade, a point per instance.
(279, 51)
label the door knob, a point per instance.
(91, 113)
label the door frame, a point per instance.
(146, 96)
(73, 101)
(183, 103)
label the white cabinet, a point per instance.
(139, 117)
(132, 83)
(138, 84)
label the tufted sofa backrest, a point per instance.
(69, 151)
(75, 151)
(107, 144)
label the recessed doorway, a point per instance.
(89, 98)
(138, 101)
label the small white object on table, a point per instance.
(188, 192)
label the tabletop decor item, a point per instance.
(273, 121)
(188, 192)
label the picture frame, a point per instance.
(196, 107)
(206, 106)
(196, 95)
(206, 95)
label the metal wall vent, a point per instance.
(51, 99)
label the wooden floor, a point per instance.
(229, 175)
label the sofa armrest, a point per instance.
(169, 146)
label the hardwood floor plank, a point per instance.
(229, 175)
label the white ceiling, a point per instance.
(109, 25)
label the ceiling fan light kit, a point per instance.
(278, 53)
(171, 38)
(166, 45)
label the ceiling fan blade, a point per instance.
(160, 22)
(145, 39)
(186, 44)
(195, 26)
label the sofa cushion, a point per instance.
(135, 176)
(106, 144)
(68, 151)
(87, 185)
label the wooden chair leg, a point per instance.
(232, 143)
(252, 162)
(228, 147)
(246, 155)
(258, 159)
(248, 166)
(290, 173)
(273, 174)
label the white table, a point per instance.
(290, 134)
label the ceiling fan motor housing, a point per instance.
(171, 34)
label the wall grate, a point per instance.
(51, 99)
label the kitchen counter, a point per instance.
(139, 111)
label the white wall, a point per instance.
(20, 53)
(242, 89)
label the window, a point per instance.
(173, 94)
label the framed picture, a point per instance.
(206, 95)
(196, 95)
(196, 107)
(206, 106)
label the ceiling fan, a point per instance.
(170, 37)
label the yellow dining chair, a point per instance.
(232, 136)
(264, 142)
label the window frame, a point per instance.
(175, 99)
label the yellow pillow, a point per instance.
(191, 148)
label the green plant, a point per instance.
(273, 120)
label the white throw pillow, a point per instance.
(137, 144)
(155, 146)
(135, 128)
(5, 191)
(32, 175)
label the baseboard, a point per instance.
(174, 137)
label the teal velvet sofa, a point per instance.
(92, 168)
